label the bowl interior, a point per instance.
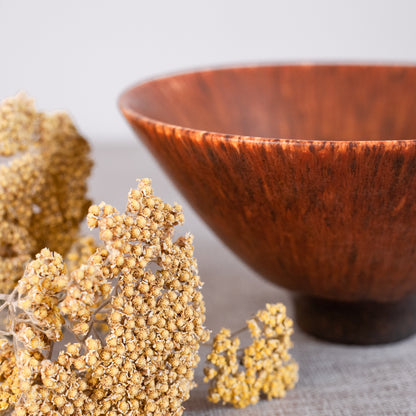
(350, 102)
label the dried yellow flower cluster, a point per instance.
(42, 184)
(80, 252)
(9, 377)
(142, 286)
(264, 367)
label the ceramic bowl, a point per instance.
(308, 172)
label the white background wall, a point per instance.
(80, 54)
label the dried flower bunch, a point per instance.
(42, 184)
(239, 376)
(135, 310)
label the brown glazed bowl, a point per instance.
(308, 172)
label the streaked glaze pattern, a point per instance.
(307, 172)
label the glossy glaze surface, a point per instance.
(307, 172)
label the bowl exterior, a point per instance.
(329, 219)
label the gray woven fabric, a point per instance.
(334, 379)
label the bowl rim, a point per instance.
(129, 113)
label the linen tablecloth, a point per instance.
(334, 379)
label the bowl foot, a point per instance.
(362, 323)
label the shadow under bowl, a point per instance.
(308, 173)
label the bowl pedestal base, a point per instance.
(361, 323)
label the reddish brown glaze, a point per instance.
(307, 172)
